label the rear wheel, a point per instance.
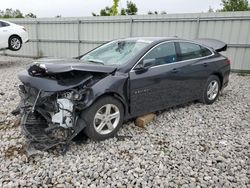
(103, 118)
(211, 90)
(15, 43)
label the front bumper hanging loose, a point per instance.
(40, 137)
(34, 130)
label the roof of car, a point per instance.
(150, 39)
(5, 21)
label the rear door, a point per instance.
(193, 70)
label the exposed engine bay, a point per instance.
(49, 119)
(64, 117)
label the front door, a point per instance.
(148, 87)
(4, 35)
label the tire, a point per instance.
(15, 43)
(208, 97)
(95, 117)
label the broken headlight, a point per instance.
(71, 95)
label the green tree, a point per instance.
(106, 12)
(131, 9)
(10, 13)
(123, 12)
(114, 8)
(210, 9)
(156, 12)
(109, 11)
(30, 15)
(235, 5)
(1, 13)
(18, 14)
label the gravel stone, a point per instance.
(193, 145)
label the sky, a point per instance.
(77, 8)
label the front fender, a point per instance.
(116, 85)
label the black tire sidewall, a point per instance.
(10, 47)
(205, 99)
(89, 113)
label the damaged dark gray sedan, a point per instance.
(122, 79)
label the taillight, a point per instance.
(228, 62)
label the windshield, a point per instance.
(115, 52)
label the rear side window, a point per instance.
(192, 51)
(163, 54)
(205, 51)
(4, 24)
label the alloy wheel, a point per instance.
(106, 119)
(212, 90)
(15, 43)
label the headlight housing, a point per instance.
(75, 95)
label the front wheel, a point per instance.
(103, 118)
(211, 90)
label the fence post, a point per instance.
(131, 27)
(197, 27)
(37, 39)
(79, 36)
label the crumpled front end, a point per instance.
(53, 97)
(50, 118)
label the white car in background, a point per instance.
(12, 36)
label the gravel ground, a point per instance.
(189, 146)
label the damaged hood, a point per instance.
(61, 74)
(54, 66)
(52, 85)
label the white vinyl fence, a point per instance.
(70, 37)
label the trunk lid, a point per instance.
(217, 45)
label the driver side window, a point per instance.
(162, 54)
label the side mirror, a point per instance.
(145, 64)
(148, 63)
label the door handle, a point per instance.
(174, 70)
(205, 64)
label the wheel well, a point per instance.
(116, 96)
(16, 36)
(220, 77)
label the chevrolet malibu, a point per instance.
(122, 79)
(12, 36)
